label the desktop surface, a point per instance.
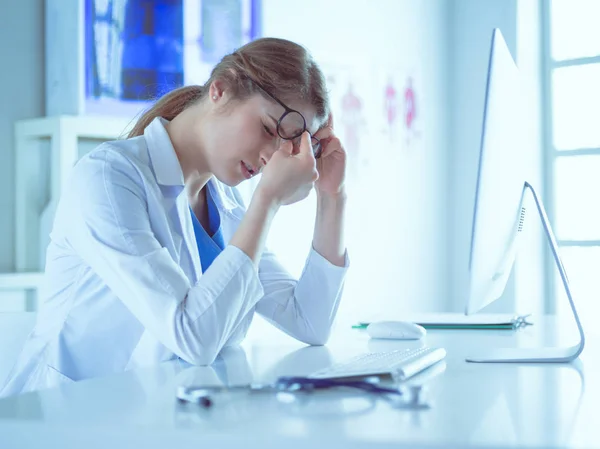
(471, 405)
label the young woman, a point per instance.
(153, 255)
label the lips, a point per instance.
(247, 170)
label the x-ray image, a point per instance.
(137, 50)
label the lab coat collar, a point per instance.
(162, 154)
(220, 196)
(167, 168)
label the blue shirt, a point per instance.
(210, 242)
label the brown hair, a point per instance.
(284, 68)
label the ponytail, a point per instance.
(168, 107)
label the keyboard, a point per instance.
(400, 364)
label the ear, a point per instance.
(216, 90)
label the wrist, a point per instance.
(339, 196)
(330, 206)
(265, 199)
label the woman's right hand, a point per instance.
(289, 177)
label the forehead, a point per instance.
(273, 109)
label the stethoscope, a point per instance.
(407, 397)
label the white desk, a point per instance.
(473, 405)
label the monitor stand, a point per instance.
(547, 354)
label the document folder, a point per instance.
(459, 321)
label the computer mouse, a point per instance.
(400, 330)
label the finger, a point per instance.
(324, 133)
(331, 146)
(286, 146)
(330, 121)
(305, 146)
(326, 130)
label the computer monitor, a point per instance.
(501, 208)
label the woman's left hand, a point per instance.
(332, 163)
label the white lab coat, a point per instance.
(124, 286)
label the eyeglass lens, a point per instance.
(291, 127)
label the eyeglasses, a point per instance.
(292, 124)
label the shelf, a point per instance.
(46, 150)
(20, 281)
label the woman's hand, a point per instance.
(332, 163)
(289, 176)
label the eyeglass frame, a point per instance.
(287, 112)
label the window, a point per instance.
(572, 69)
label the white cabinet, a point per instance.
(45, 150)
(18, 291)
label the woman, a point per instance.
(152, 254)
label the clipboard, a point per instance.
(460, 321)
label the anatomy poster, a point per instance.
(351, 92)
(411, 111)
(390, 92)
(400, 111)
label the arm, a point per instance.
(328, 239)
(288, 178)
(111, 232)
(303, 308)
(252, 233)
(306, 308)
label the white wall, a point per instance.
(530, 284)
(21, 96)
(397, 210)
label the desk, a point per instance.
(473, 405)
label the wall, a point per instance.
(21, 96)
(397, 210)
(531, 287)
(415, 256)
(398, 205)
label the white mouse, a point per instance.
(400, 330)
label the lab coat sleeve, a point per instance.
(303, 308)
(111, 231)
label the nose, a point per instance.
(267, 152)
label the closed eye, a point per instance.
(268, 131)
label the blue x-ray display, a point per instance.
(137, 50)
